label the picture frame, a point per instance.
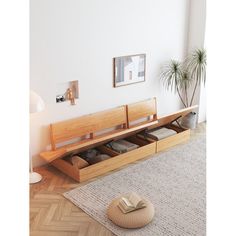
(129, 69)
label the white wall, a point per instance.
(196, 36)
(197, 22)
(77, 39)
(202, 104)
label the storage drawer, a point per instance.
(145, 149)
(181, 136)
(173, 140)
(66, 167)
(117, 160)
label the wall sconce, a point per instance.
(70, 96)
(68, 91)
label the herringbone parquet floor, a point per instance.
(53, 215)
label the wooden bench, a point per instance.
(96, 129)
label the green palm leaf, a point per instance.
(196, 65)
(179, 77)
(171, 76)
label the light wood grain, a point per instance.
(102, 167)
(173, 140)
(67, 168)
(139, 110)
(116, 162)
(163, 120)
(88, 124)
(108, 151)
(53, 144)
(51, 155)
(139, 141)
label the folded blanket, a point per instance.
(90, 153)
(98, 158)
(122, 146)
(93, 156)
(163, 133)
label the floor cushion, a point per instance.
(131, 220)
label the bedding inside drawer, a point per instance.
(89, 157)
(122, 146)
(158, 134)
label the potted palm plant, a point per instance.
(180, 77)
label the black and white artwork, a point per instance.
(129, 69)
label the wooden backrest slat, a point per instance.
(87, 125)
(141, 110)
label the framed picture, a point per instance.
(129, 69)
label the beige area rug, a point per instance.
(174, 181)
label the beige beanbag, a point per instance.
(79, 162)
(131, 220)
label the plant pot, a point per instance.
(189, 121)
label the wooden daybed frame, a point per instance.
(94, 130)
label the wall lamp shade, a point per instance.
(36, 105)
(36, 102)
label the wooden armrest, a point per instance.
(52, 155)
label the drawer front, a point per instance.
(66, 168)
(116, 162)
(173, 140)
